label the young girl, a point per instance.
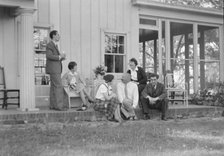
(106, 101)
(76, 84)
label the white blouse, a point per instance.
(104, 88)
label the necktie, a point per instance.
(56, 46)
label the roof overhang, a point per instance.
(170, 7)
(29, 4)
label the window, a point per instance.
(114, 52)
(148, 21)
(40, 36)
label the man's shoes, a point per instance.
(133, 118)
(61, 109)
(146, 116)
(164, 118)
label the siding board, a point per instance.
(103, 14)
(1, 37)
(95, 35)
(85, 37)
(54, 11)
(119, 15)
(43, 11)
(65, 31)
(111, 14)
(76, 31)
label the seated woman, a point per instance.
(99, 73)
(105, 100)
(73, 80)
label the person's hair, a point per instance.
(153, 75)
(134, 60)
(108, 78)
(71, 65)
(52, 33)
(101, 70)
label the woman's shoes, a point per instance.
(83, 108)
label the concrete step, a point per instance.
(13, 116)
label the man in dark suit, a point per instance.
(58, 97)
(154, 96)
(138, 75)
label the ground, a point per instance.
(186, 137)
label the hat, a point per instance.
(108, 77)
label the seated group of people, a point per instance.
(132, 91)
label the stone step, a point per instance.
(44, 115)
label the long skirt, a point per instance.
(107, 107)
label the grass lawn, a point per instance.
(189, 137)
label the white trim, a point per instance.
(144, 26)
(159, 5)
(160, 56)
(195, 50)
(221, 55)
(43, 25)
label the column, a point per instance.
(143, 56)
(26, 60)
(195, 43)
(167, 44)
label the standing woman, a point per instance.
(138, 75)
(105, 100)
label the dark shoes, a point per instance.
(164, 118)
(59, 109)
(146, 117)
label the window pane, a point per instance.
(108, 44)
(119, 63)
(121, 39)
(209, 74)
(209, 43)
(40, 36)
(114, 47)
(121, 49)
(147, 21)
(109, 59)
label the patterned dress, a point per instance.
(107, 107)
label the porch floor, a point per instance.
(14, 116)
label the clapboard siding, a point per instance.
(43, 11)
(54, 14)
(65, 32)
(76, 31)
(80, 23)
(85, 36)
(1, 36)
(8, 50)
(95, 35)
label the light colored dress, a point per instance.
(73, 81)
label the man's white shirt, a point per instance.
(132, 92)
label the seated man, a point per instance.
(127, 92)
(154, 96)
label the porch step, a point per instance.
(44, 115)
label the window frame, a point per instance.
(103, 53)
(41, 52)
